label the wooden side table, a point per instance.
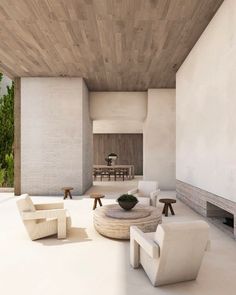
(67, 192)
(97, 199)
(167, 204)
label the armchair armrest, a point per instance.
(150, 247)
(132, 191)
(49, 206)
(40, 214)
(153, 196)
(208, 246)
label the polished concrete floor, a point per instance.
(87, 263)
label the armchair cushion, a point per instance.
(146, 187)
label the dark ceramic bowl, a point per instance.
(127, 205)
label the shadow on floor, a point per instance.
(76, 235)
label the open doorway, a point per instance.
(127, 160)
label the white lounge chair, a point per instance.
(43, 219)
(146, 192)
(172, 254)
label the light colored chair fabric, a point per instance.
(43, 220)
(173, 253)
(146, 192)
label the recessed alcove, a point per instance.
(220, 217)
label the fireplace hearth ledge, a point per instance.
(197, 199)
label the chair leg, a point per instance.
(134, 253)
(61, 228)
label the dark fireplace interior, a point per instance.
(220, 216)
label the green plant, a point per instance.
(10, 169)
(7, 134)
(127, 198)
(2, 176)
(6, 123)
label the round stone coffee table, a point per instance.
(114, 222)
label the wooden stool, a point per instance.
(97, 199)
(67, 192)
(167, 205)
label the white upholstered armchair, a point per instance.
(146, 192)
(43, 219)
(172, 254)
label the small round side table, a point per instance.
(97, 199)
(167, 204)
(67, 192)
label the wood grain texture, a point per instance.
(127, 45)
(128, 147)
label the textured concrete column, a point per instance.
(17, 136)
(56, 136)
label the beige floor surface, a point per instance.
(87, 263)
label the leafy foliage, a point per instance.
(2, 176)
(10, 169)
(7, 135)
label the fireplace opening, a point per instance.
(229, 221)
(221, 217)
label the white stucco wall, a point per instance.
(206, 107)
(159, 138)
(54, 143)
(117, 126)
(118, 112)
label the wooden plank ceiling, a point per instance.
(119, 45)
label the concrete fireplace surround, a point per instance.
(199, 200)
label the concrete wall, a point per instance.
(118, 112)
(159, 138)
(55, 135)
(206, 106)
(87, 140)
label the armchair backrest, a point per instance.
(146, 187)
(182, 245)
(25, 204)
